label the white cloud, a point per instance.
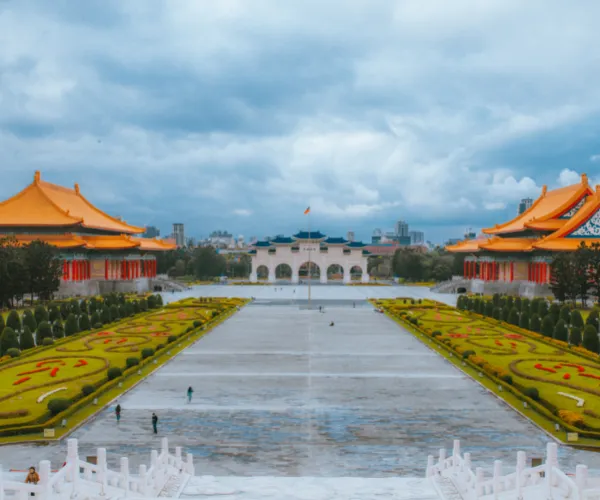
(243, 212)
(595, 158)
(494, 205)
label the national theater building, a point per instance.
(99, 253)
(515, 256)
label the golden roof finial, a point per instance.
(584, 178)
(37, 176)
(76, 188)
(544, 189)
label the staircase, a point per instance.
(168, 285)
(452, 286)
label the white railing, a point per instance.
(78, 476)
(543, 481)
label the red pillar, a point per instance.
(512, 271)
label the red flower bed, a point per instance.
(21, 380)
(567, 376)
(34, 371)
(81, 362)
(589, 375)
(54, 371)
(513, 336)
(121, 341)
(540, 367)
(42, 363)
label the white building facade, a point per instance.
(336, 257)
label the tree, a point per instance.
(8, 340)
(58, 330)
(562, 277)
(26, 339)
(14, 321)
(592, 318)
(575, 336)
(560, 331)
(105, 315)
(74, 307)
(44, 269)
(44, 331)
(207, 263)
(581, 259)
(590, 339)
(513, 316)
(29, 320)
(576, 319)
(547, 329)
(71, 325)
(53, 314)
(489, 309)
(95, 319)
(13, 272)
(535, 324)
(524, 320)
(84, 322)
(565, 314)
(554, 312)
(497, 313)
(542, 309)
(594, 269)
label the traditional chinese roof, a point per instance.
(555, 205)
(356, 244)
(153, 244)
(65, 241)
(366, 252)
(581, 228)
(116, 242)
(497, 244)
(42, 204)
(335, 241)
(110, 242)
(312, 235)
(467, 246)
(262, 244)
(281, 240)
(252, 252)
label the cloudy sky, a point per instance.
(237, 114)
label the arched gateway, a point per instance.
(296, 252)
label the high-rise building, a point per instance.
(151, 232)
(524, 205)
(401, 228)
(416, 237)
(376, 238)
(178, 234)
(350, 236)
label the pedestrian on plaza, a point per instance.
(118, 413)
(154, 423)
(331, 324)
(32, 478)
(190, 391)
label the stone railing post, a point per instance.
(101, 475)
(521, 464)
(144, 480)
(478, 482)
(455, 455)
(154, 479)
(191, 470)
(125, 474)
(581, 475)
(178, 460)
(497, 475)
(165, 449)
(429, 472)
(442, 459)
(45, 479)
(73, 460)
(551, 462)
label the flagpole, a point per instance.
(309, 270)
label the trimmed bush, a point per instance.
(565, 314)
(14, 321)
(517, 303)
(114, 372)
(159, 300)
(524, 320)
(151, 302)
(95, 319)
(535, 324)
(53, 314)
(97, 325)
(489, 309)
(83, 305)
(131, 362)
(44, 331)
(496, 300)
(158, 348)
(41, 314)
(436, 333)
(592, 318)
(197, 323)
(575, 336)
(48, 341)
(542, 309)
(105, 315)
(123, 311)
(173, 338)
(87, 389)
(466, 354)
(576, 319)
(58, 404)
(510, 301)
(526, 305)
(84, 322)
(147, 352)
(547, 329)
(26, 339)
(590, 339)
(135, 306)
(506, 378)
(532, 393)
(505, 314)
(114, 313)
(554, 311)
(71, 325)
(29, 320)
(8, 340)
(216, 313)
(560, 331)
(13, 352)
(58, 330)
(513, 316)
(64, 310)
(74, 307)
(497, 313)
(143, 305)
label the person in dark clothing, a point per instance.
(331, 324)
(154, 422)
(118, 412)
(190, 391)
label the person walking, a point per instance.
(190, 391)
(118, 413)
(154, 423)
(32, 478)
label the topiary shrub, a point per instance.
(41, 314)
(575, 336)
(74, 307)
(87, 389)
(114, 313)
(554, 311)
(143, 305)
(590, 339)
(489, 309)
(513, 316)
(71, 325)
(560, 331)
(507, 378)
(47, 341)
(171, 338)
(64, 310)
(26, 339)
(159, 300)
(84, 322)
(53, 314)
(524, 320)
(151, 302)
(547, 329)
(13, 352)
(158, 347)
(95, 319)
(8, 340)
(29, 320)
(436, 333)
(532, 393)
(114, 372)
(565, 314)
(58, 330)
(97, 325)
(58, 404)
(466, 354)
(147, 352)
(131, 362)
(535, 324)
(542, 308)
(197, 323)
(592, 318)
(14, 321)
(105, 315)
(576, 319)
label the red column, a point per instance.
(106, 269)
(154, 269)
(512, 271)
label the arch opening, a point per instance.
(356, 272)
(314, 272)
(283, 271)
(335, 272)
(262, 272)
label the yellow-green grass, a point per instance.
(371, 283)
(419, 283)
(506, 350)
(85, 359)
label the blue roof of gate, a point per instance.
(283, 239)
(356, 244)
(252, 252)
(262, 244)
(366, 252)
(313, 235)
(335, 241)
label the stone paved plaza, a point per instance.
(279, 392)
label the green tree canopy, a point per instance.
(44, 331)
(26, 339)
(575, 336)
(14, 321)
(560, 331)
(547, 329)
(71, 325)
(8, 340)
(535, 324)
(590, 339)
(29, 320)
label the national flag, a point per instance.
(307, 210)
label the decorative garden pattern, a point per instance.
(549, 372)
(29, 382)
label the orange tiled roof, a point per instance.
(498, 244)
(112, 242)
(57, 240)
(550, 205)
(583, 227)
(45, 204)
(153, 244)
(466, 246)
